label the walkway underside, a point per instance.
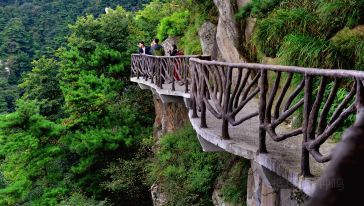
(283, 158)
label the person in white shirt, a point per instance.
(144, 49)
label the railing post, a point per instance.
(185, 74)
(263, 86)
(159, 73)
(173, 66)
(305, 158)
(202, 83)
(193, 90)
(152, 73)
(225, 122)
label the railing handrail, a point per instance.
(166, 57)
(341, 73)
(225, 89)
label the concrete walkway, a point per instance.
(283, 158)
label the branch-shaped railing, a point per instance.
(282, 92)
(320, 99)
(163, 69)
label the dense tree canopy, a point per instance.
(75, 117)
(75, 131)
(30, 29)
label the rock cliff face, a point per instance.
(222, 42)
(169, 117)
(168, 43)
(229, 34)
(207, 34)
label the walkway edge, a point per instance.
(307, 185)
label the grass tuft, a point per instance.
(271, 31)
(336, 14)
(303, 50)
(349, 43)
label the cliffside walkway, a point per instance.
(282, 117)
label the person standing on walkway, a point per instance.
(157, 49)
(144, 49)
(175, 52)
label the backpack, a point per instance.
(158, 50)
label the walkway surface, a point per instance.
(283, 158)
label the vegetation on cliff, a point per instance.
(188, 176)
(75, 120)
(325, 34)
(79, 132)
(33, 28)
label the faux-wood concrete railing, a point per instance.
(224, 89)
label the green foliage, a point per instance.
(307, 51)
(257, 8)
(319, 27)
(185, 171)
(8, 93)
(43, 86)
(175, 18)
(77, 199)
(336, 14)
(234, 189)
(94, 123)
(148, 19)
(89, 66)
(32, 29)
(29, 150)
(173, 25)
(271, 31)
(349, 43)
(143, 110)
(128, 177)
(190, 41)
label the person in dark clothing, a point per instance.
(174, 50)
(157, 49)
(144, 49)
(176, 70)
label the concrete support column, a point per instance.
(267, 189)
(169, 116)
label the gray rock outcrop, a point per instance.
(228, 33)
(168, 43)
(207, 34)
(242, 3)
(158, 197)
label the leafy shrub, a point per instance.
(186, 173)
(173, 25)
(234, 189)
(127, 181)
(78, 199)
(190, 41)
(257, 8)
